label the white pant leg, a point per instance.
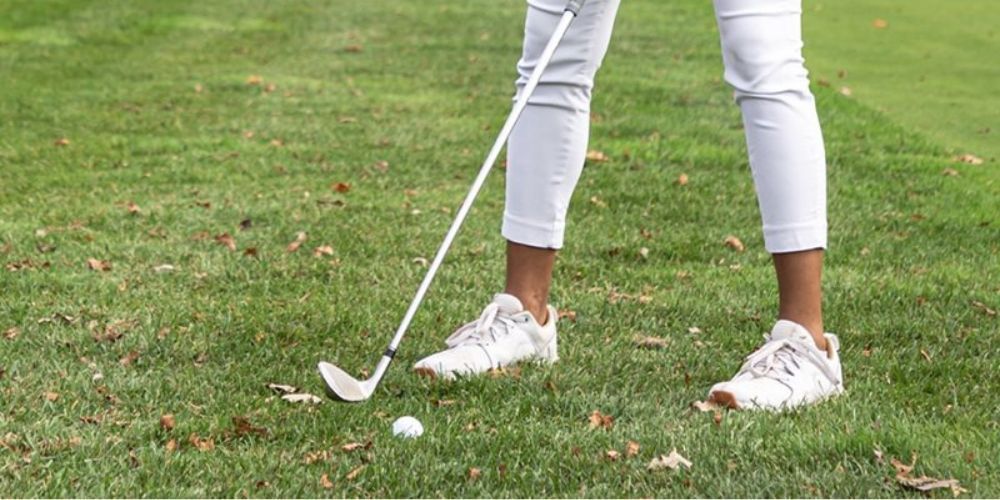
(547, 148)
(762, 52)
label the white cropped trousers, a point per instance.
(762, 55)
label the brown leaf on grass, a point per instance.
(226, 240)
(845, 91)
(282, 388)
(171, 445)
(594, 200)
(631, 449)
(62, 141)
(303, 397)
(352, 446)
(92, 419)
(129, 358)
(648, 342)
(98, 265)
(926, 355)
(969, 158)
(901, 468)
(11, 333)
(202, 444)
(324, 482)
(312, 457)
(132, 208)
(167, 422)
(597, 156)
(340, 187)
(925, 484)
(672, 461)
(612, 455)
(950, 172)
(254, 80)
(444, 402)
(111, 332)
(473, 473)
(984, 308)
(880, 23)
(246, 224)
(381, 166)
(353, 48)
(599, 420)
(323, 250)
(644, 253)
(682, 180)
(734, 243)
(243, 427)
(354, 472)
(300, 238)
(51, 396)
(250, 251)
(568, 314)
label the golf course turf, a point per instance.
(198, 199)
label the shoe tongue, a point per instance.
(509, 304)
(785, 329)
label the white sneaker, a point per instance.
(504, 334)
(787, 371)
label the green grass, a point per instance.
(931, 66)
(911, 252)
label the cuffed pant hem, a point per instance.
(795, 238)
(532, 233)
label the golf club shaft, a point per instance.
(571, 10)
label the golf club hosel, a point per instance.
(574, 6)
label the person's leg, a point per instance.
(762, 52)
(545, 155)
(546, 150)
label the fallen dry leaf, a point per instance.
(226, 240)
(246, 224)
(672, 461)
(924, 483)
(969, 158)
(648, 342)
(597, 156)
(984, 308)
(62, 141)
(51, 396)
(206, 444)
(323, 250)
(599, 420)
(132, 208)
(312, 457)
(254, 80)
(568, 314)
(682, 179)
(631, 449)
(300, 238)
(612, 455)
(845, 91)
(349, 447)
(950, 172)
(594, 200)
(880, 23)
(340, 187)
(282, 388)
(473, 473)
(129, 358)
(644, 253)
(98, 265)
(443, 402)
(11, 333)
(167, 422)
(353, 48)
(354, 472)
(734, 243)
(325, 482)
(302, 398)
(171, 445)
(164, 268)
(242, 427)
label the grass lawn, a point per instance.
(205, 136)
(925, 63)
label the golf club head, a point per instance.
(343, 386)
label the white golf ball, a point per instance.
(407, 427)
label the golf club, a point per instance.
(342, 385)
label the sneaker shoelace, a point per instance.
(782, 359)
(490, 326)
